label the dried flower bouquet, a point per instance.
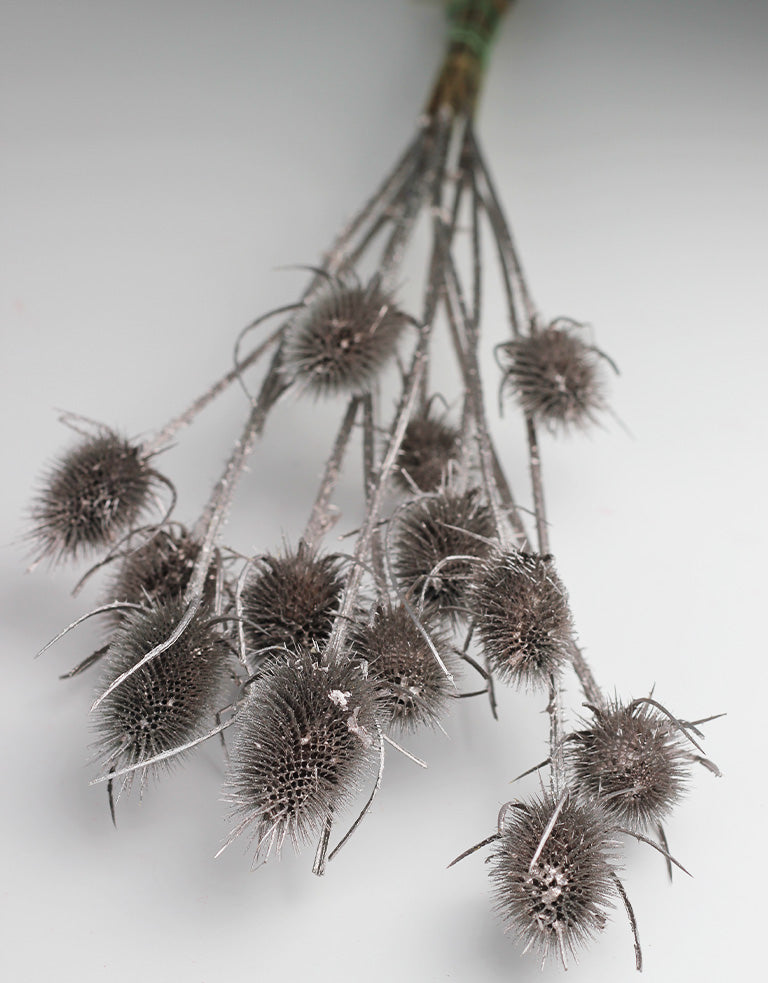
(316, 659)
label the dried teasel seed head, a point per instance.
(554, 891)
(159, 570)
(521, 617)
(555, 376)
(343, 338)
(306, 740)
(291, 601)
(428, 448)
(170, 700)
(431, 531)
(93, 494)
(414, 691)
(633, 760)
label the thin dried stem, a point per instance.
(406, 404)
(321, 518)
(534, 461)
(467, 357)
(474, 849)
(207, 527)
(369, 803)
(584, 673)
(632, 921)
(522, 309)
(164, 755)
(436, 143)
(369, 479)
(318, 867)
(163, 437)
(338, 255)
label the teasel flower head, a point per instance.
(289, 602)
(634, 760)
(438, 540)
(428, 449)
(92, 495)
(305, 742)
(172, 698)
(158, 571)
(414, 690)
(521, 616)
(343, 338)
(554, 881)
(556, 377)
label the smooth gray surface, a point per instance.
(160, 162)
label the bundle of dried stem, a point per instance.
(444, 572)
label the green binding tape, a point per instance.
(473, 23)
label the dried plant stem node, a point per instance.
(521, 617)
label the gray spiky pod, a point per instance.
(290, 602)
(633, 760)
(555, 376)
(93, 494)
(414, 690)
(431, 530)
(428, 448)
(159, 570)
(558, 903)
(170, 700)
(521, 617)
(306, 739)
(343, 338)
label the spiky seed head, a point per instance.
(343, 338)
(306, 740)
(558, 903)
(170, 700)
(431, 530)
(429, 446)
(556, 377)
(291, 601)
(633, 760)
(159, 571)
(93, 494)
(414, 690)
(521, 617)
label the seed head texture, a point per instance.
(633, 760)
(343, 339)
(304, 744)
(415, 690)
(559, 902)
(433, 529)
(92, 495)
(290, 601)
(522, 617)
(556, 377)
(171, 699)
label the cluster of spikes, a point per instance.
(308, 662)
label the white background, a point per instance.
(161, 161)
